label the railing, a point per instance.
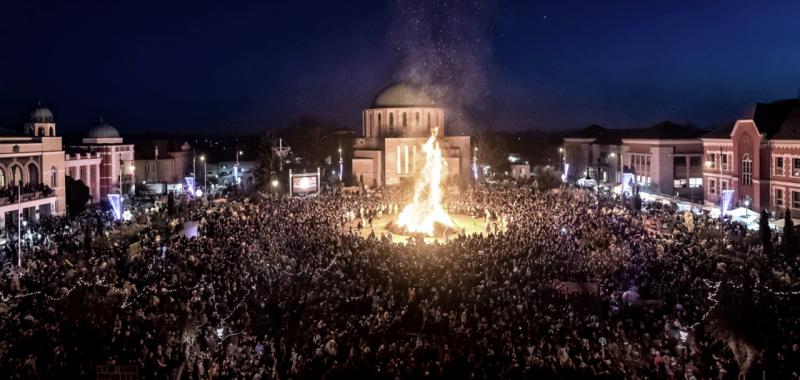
(8, 194)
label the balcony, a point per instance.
(8, 194)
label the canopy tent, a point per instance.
(778, 224)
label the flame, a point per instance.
(425, 209)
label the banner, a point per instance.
(727, 201)
(627, 183)
(116, 205)
(190, 184)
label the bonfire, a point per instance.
(425, 214)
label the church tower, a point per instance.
(42, 123)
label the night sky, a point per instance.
(246, 66)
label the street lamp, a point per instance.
(205, 172)
(475, 165)
(341, 163)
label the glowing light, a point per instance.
(116, 205)
(425, 209)
(274, 183)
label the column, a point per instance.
(96, 182)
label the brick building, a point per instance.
(665, 158)
(758, 157)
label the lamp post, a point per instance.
(561, 158)
(194, 167)
(205, 173)
(475, 165)
(341, 163)
(236, 170)
(19, 223)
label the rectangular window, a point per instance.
(679, 162)
(711, 160)
(694, 161)
(796, 167)
(679, 183)
(796, 199)
(723, 185)
(398, 160)
(406, 158)
(695, 182)
(712, 186)
(724, 159)
(779, 197)
(778, 166)
(747, 172)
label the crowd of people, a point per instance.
(573, 286)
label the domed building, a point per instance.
(32, 160)
(115, 172)
(399, 121)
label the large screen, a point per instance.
(305, 184)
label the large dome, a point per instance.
(103, 130)
(41, 115)
(402, 94)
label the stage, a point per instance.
(462, 222)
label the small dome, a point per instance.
(402, 94)
(103, 130)
(42, 115)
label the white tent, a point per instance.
(745, 216)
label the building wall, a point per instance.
(675, 166)
(460, 147)
(577, 153)
(402, 158)
(784, 184)
(714, 173)
(747, 141)
(369, 164)
(86, 168)
(389, 122)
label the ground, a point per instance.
(379, 226)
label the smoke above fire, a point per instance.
(444, 48)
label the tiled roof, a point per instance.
(777, 120)
(660, 131)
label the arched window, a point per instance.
(405, 120)
(53, 177)
(391, 123)
(41, 131)
(417, 119)
(2, 178)
(52, 131)
(16, 174)
(429, 120)
(33, 173)
(747, 170)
